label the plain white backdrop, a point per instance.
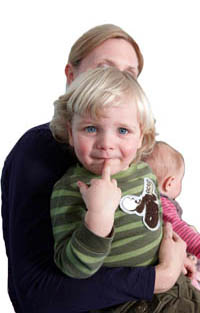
(36, 37)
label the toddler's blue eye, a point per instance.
(123, 131)
(90, 129)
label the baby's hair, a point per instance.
(164, 160)
(95, 89)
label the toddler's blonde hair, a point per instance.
(95, 89)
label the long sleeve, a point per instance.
(79, 253)
(191, 237)
(34, 282)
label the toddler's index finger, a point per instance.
(106, 170)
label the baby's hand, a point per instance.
(102, 199)
(189, 268)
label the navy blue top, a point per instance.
(35, 285)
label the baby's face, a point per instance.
(115, 136)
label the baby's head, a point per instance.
(105, 115)
(168, 165)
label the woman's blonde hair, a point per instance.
(96, 36)
(164, 160)
(93, 90)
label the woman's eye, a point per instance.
(104, 65)
(90, 129)
(123, 131)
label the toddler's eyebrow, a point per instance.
(86, 122)
(130, 126)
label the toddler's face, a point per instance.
(115, 136)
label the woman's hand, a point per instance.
(102, 199)
(172, 256)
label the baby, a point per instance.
(168, 165)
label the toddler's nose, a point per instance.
(106, 142)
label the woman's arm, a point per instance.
(191, 237)
(172, 256)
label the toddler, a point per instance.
(112, 216)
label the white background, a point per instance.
(36, 37)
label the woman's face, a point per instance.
(113, 52)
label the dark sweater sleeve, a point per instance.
(35, 285)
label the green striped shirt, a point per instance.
(80, 253)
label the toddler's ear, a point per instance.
(141, 138)
(69, 132)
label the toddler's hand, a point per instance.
(103, 195)
(102, 199)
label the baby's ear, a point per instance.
(167, 183)
(69, 132)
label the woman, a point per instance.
(30, 171)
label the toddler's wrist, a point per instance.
(100, 224)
